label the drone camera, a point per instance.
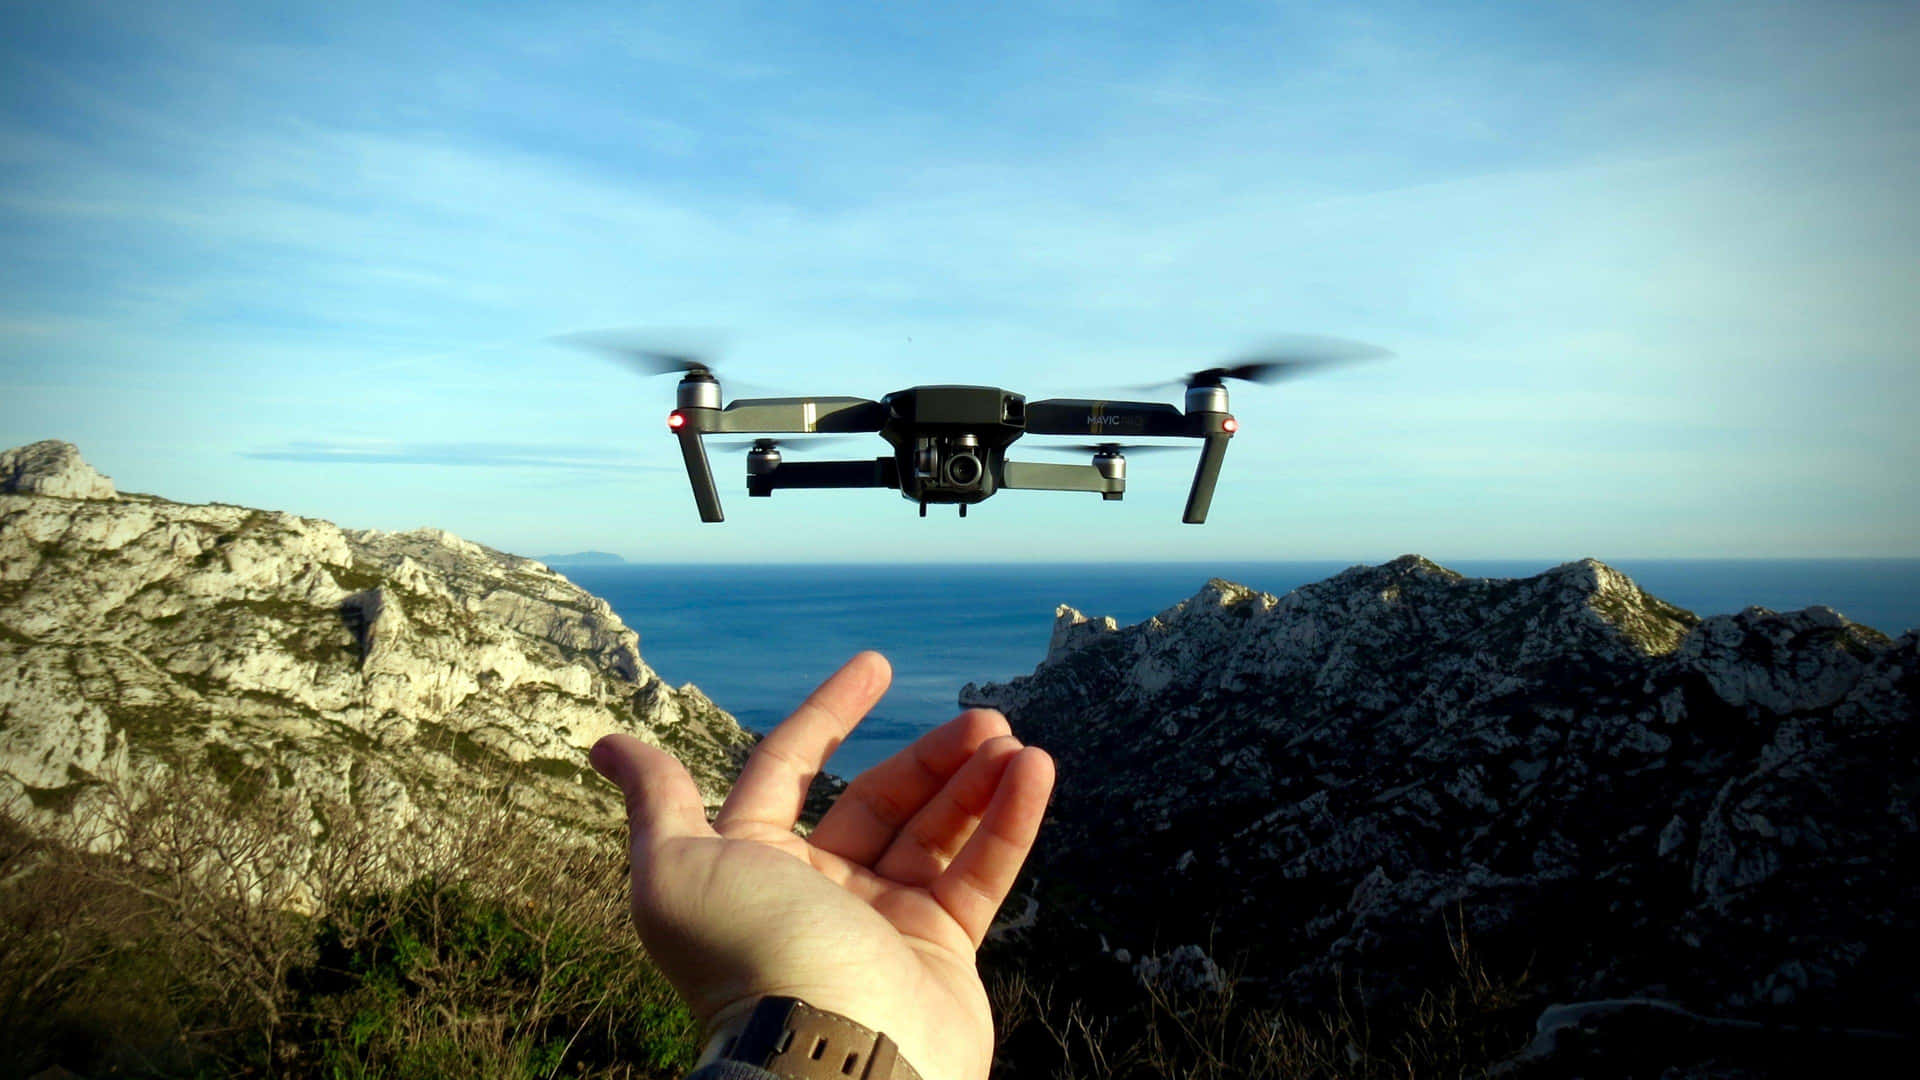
(952, 464)
(963, 468)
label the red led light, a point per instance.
(676, 420)
(1229, 425)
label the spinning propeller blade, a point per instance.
(1285, 358)
(1128, 449)
(798, 439)
(645, 357)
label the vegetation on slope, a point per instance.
(206, 948)
(211, 944)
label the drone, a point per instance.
(949, 443)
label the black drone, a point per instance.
(950, 442)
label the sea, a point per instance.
(758, 638)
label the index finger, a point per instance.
(773, 785)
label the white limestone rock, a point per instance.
(1072, 630)
(379, 667)
(1184, 969)
(51, 468)
(1783, 663)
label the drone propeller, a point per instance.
(644, 357)
(773, 444)
(1284, 359)
(1114, 448)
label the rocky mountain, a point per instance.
(386, 669)
(1669, 823)
(1662, 814)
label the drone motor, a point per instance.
(763, 458)
(1206, 398)
(697, 390)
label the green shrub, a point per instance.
(439, 979)
(208, 946)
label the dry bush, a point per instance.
(241, 931)
(1210, 1033)
(57, 932)
(245, 931)
(160, 925)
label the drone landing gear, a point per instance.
(923, 509)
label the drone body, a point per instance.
(949, 442)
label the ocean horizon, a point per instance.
(756, 638)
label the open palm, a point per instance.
(877, 915)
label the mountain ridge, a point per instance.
(370, 666)
(1623, 798)
(1653, 814)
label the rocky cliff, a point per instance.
(384, 669)
(1624, 800)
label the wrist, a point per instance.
(797, 1041)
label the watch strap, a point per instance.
(796, 1041)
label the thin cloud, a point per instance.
(465, 454)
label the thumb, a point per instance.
(662, 801)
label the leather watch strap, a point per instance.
(796, 1041)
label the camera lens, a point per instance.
(963, 470)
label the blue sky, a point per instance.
(1649, 271)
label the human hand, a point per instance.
(878, 914)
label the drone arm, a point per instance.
(705, 496)
(696, 418)
(879, 472)
(799, 415)
(1200, 497)
(1043, 476)
(1082, 416)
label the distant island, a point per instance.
(583, 558)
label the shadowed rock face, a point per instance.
(1633, 800)
(375, 667)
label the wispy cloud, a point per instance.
(1648, 255)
